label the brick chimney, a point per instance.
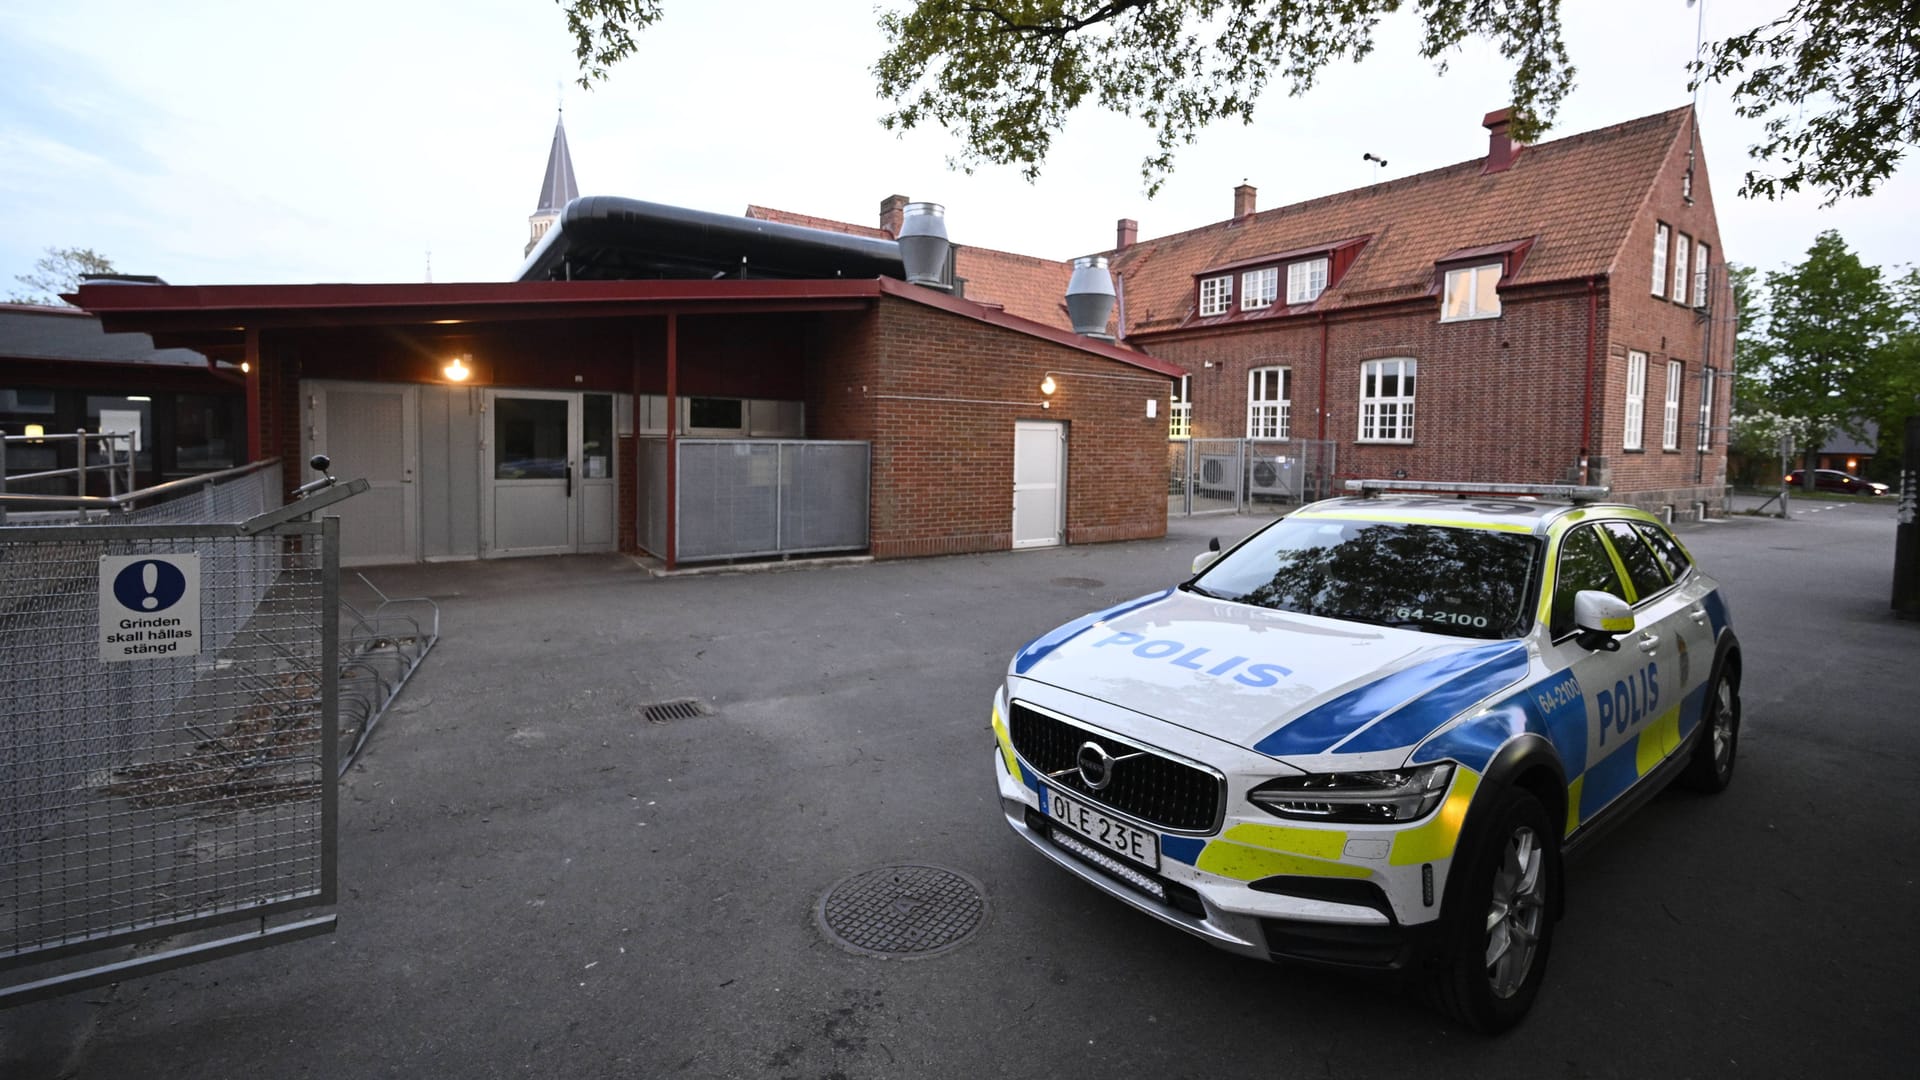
(1125, 233)
(893, 209)
(1500, 149)
(1243, 200)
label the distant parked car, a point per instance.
(1835, 480)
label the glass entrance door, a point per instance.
(532, 473)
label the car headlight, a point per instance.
(1357, 797)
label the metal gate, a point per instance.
(1247, 475)
(164, 774)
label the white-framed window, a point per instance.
(1660, 236)
(1306, 280)
(1216, 294)
(1682, 281)
(1702, 263)
(1386, 400)
(1180, 416)
(1472, 293)
(1269, 403)
(1258, 288)
(1670, 416)
(1635, 426)
(1705, 440)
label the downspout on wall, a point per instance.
(1323, 377)
(1586, 400)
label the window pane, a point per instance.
(1642, 567)
(709, 412)
(529, 438)
(1486, 291)
(1458, 292)
(1667, 550)
(1583, 565)
(204, 434)
(1660, 261)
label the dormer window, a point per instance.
(1306, 280)
(1258, 288)
(1468, 280)
(1216, 294)
(1472, 293)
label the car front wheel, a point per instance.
(1503, 928)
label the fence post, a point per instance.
(3, 476)
(1906, 534)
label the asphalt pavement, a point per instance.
(538, 881)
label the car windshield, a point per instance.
(1462, 581)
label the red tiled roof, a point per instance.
(788, 217)
(1024, 285)
(1577, 197)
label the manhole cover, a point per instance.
(902, 911)
(1079, 583)
(685, 709)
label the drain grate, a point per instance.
(902, 911)
(684, 709)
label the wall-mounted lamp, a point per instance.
(245, 367)
(35, 431)
(456, 371)
(1048, 386)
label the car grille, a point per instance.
(1154, 788)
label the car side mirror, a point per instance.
(1601, 618)
(1205, 558)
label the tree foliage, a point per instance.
(1829, 344)
(1005, 74)
(603, 32)
(56, 272)
(1837, 83)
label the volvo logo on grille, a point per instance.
(1096, 765)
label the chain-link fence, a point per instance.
(1247, 475)
(167, 738)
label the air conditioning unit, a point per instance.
(1218, 472)
(1273, 476)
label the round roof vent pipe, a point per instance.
(1090, 296)
(923, 244)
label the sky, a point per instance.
(213, 142)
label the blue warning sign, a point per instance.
(149, 585)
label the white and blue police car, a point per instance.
(1364, 735)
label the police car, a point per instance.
(1365, 735)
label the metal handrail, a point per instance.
(113, 442)
(132, 498)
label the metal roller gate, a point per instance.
(168, 744)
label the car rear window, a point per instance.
(1648, 578)
(1667, 550)
(1461, 581)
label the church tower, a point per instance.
(556, 187)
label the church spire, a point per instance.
(557, 187)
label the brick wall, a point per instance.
(1495, 400)
(1652, 476)
(938, 394)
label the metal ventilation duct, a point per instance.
(603, 238)
(923, 244)
(1090, 296)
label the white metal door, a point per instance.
(1039, 488)
(594, 485)
(530, 473)
(369, 430)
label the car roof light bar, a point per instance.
(1573, 493)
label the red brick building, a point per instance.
(1540, 313)
(945, 392)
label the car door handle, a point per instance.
(1698, 615)
(1649, 642)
